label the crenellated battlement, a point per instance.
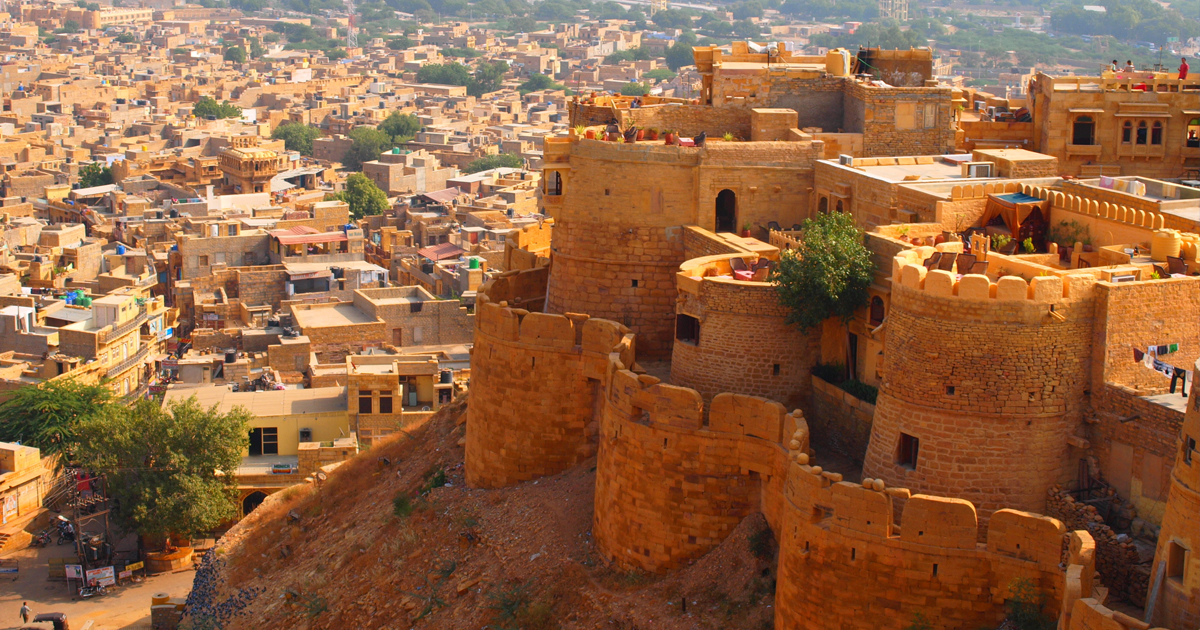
(907, 271)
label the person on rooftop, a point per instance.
(1112, 67)
(1129, 66)
(1183, 68)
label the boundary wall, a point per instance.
(537, 381)
(988, 377)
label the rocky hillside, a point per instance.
(394, 539)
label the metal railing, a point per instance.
(121, 329)
(133, 359)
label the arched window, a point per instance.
(1141, 132)
(839, 206)
(823, 205)
(1083, 131)
(726, 218)
(877, 311)
(1156, 132)
(252, 500)
(1127, 132)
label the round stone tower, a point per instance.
(982, 387)
(1175, 579)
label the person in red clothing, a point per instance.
(1183, 68)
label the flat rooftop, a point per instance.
(900, 172)
(324, 317)
(284, 402)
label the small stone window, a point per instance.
(687, 329)
(775, 370)
(1189, 448)
(364, 402)
(1176, 560)
(949, 390)
(906, 456)
(1141, 132)
(1127, 132)
(633, 283)
(1156, 132)
(385, 404)
(204, 261)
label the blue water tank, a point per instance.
(120, 249)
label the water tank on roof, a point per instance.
(447, 376)
(230, 355)
(120, 249)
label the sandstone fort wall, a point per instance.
(987, 380)
(670, 487)
(537, 383)
(744, 343)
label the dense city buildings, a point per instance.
(343, 230)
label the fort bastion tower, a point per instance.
(1174, 597)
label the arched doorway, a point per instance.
(823, 205)
(252, 500)
(726, 211)
(877, 311)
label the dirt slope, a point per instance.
(520, 557)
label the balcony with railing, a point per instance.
(122, 329)
(134, 359)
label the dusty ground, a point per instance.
(124, 608)
(464, 558)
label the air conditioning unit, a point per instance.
(978, 169)
(305, 435)
(846, 160)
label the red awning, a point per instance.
(442, 251)
(303, 234)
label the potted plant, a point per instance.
(641, 134)
(590, 134)
(746, 229)
(669, 136)
(1027, 245)
(579, 129)
(652, 134)
(728, 137)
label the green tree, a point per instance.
(297, 137)
(503, 160)
(172, 468)
(400, 43)
(827, 275)
(92, 174)
(126, 38)
(364, 197)
(367, 144)
(179, 51)
(236, 54)
(336, 54)
(633, 89)
(488, 77)
(659, 74)
(538, 82)
(1026, 605)
(444, 74)
(70, 26)
(679, 55)
(401, 127)
(47, 416)
(256, 49)
(206, 107)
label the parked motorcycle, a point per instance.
(92, 591)
(66, 533)
(41, 539)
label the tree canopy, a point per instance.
(401, 127)
(539, 82)
(207, 107)
(827, 275)
(126, 38)
(503, 160)
(364, 197)
(297, 137)
(366, 145)
(487, 76)
(679, 55)
(634, 89)
(236, 54)
(162, 463)
(47, 416)
(93, 174)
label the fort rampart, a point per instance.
(983, 384)
(537, 381)
(741, 338)
(619, 237)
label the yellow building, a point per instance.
(293, 433)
